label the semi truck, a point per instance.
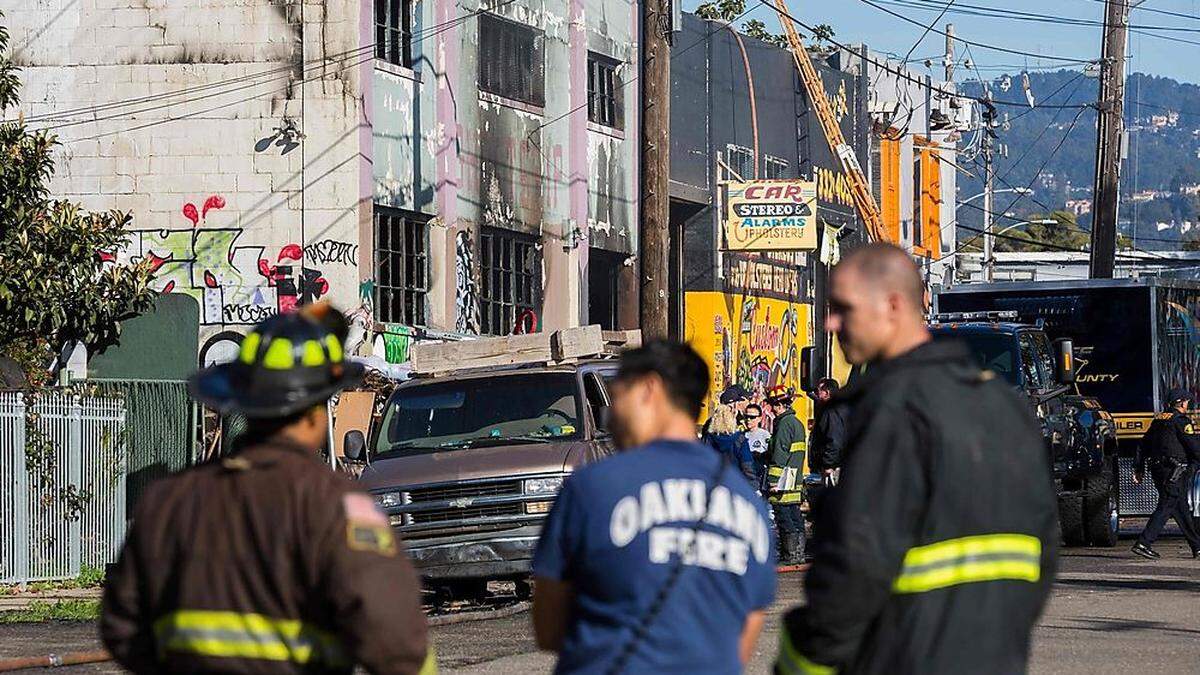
(1134, 340)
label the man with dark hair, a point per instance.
(1171, 450)
(659, 558)
(267, 561)
(785, 478)
(829, 430)
(939, 541)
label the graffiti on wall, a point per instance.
(748, 340)
(234, 284)
(466, 301)
(833, 187)
(332, 252)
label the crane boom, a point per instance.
(868, 210)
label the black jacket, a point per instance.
(828, 437)
(942, 535)
(1171, 436)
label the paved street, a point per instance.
(1111, 613)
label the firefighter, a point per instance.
(785, 478)
(1171, 449)
(266, 561)
(940, 536)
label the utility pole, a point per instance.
(989, 134)
(949, 52)
(1109, 133)
(654, 242)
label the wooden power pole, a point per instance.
(1109, 135)
(654, 242)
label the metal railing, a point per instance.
(62, 484)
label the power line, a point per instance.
(1155, 10)
(426, 33)
(1016, 15)
(981, 45)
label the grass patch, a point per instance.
(89, 577)
(62, 610)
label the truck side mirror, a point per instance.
(353, 444)
(808, 369)
(603, 416)
(1065, 361)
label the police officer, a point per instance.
(785, 478)
(940, 537)
(267, 561)
(1171, 449)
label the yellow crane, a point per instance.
(868, 210)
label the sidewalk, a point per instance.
(20, 601)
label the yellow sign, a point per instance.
(751, 341)
(771, 215)
(1133, 425)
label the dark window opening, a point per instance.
(918, 237)
(741, 160)
(774, 168)
(511, 271)
(393, 31)
(401, 267)
(604, 268)
(510, 60)
(604, 103)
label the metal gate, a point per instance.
(62, 484)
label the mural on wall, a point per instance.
(748, 340)
(235, 285)
(466, 300)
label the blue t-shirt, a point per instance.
(615, 533)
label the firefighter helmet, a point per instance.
(288, 363)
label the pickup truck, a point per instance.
(467, 464)
(1080, 435)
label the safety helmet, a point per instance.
(780, 394)
(287, 364)
(1177, 395)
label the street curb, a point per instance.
(464, 617)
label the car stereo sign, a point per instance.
(771, 216)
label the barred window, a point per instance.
(604, 104)
(740, 160)
(401, 267)
(510, 60)
(774, 168)
(393, 31)
(511, 271)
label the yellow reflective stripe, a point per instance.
(334, 345)
(790, 660)
(774, 471)
(989, 557)
(250, 347)
(430, 665)
(314, 354)
(279, 355)
(245, 635)
(798, 446)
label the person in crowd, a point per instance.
(726, 438)
(785, 480)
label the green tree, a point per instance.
(1064, 233)
(54, 286)
(721, 10)
(757, 29)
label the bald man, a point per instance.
(940, 539)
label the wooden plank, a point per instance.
(481, 353)
(353, 411)
(574, 343)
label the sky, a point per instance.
(856, 21)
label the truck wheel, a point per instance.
(1101, 503)
(1070, 517)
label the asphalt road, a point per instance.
(1111, 612)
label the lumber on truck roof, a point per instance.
(561, 346)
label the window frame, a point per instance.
(392, 260)
(394, 32)
(501, 299)
(605, 103)
(782, 164)
(730, 150)
(498, 67)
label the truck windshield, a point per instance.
(481, 411)
(996, 352)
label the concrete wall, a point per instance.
(171, 111)
(471, 159)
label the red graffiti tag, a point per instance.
(291, 252)
(189, 211)
(213, 202)
(210, 280)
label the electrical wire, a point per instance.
(1016, 15)
(981, 45)
(417, 38)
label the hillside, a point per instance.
(1163, 118)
